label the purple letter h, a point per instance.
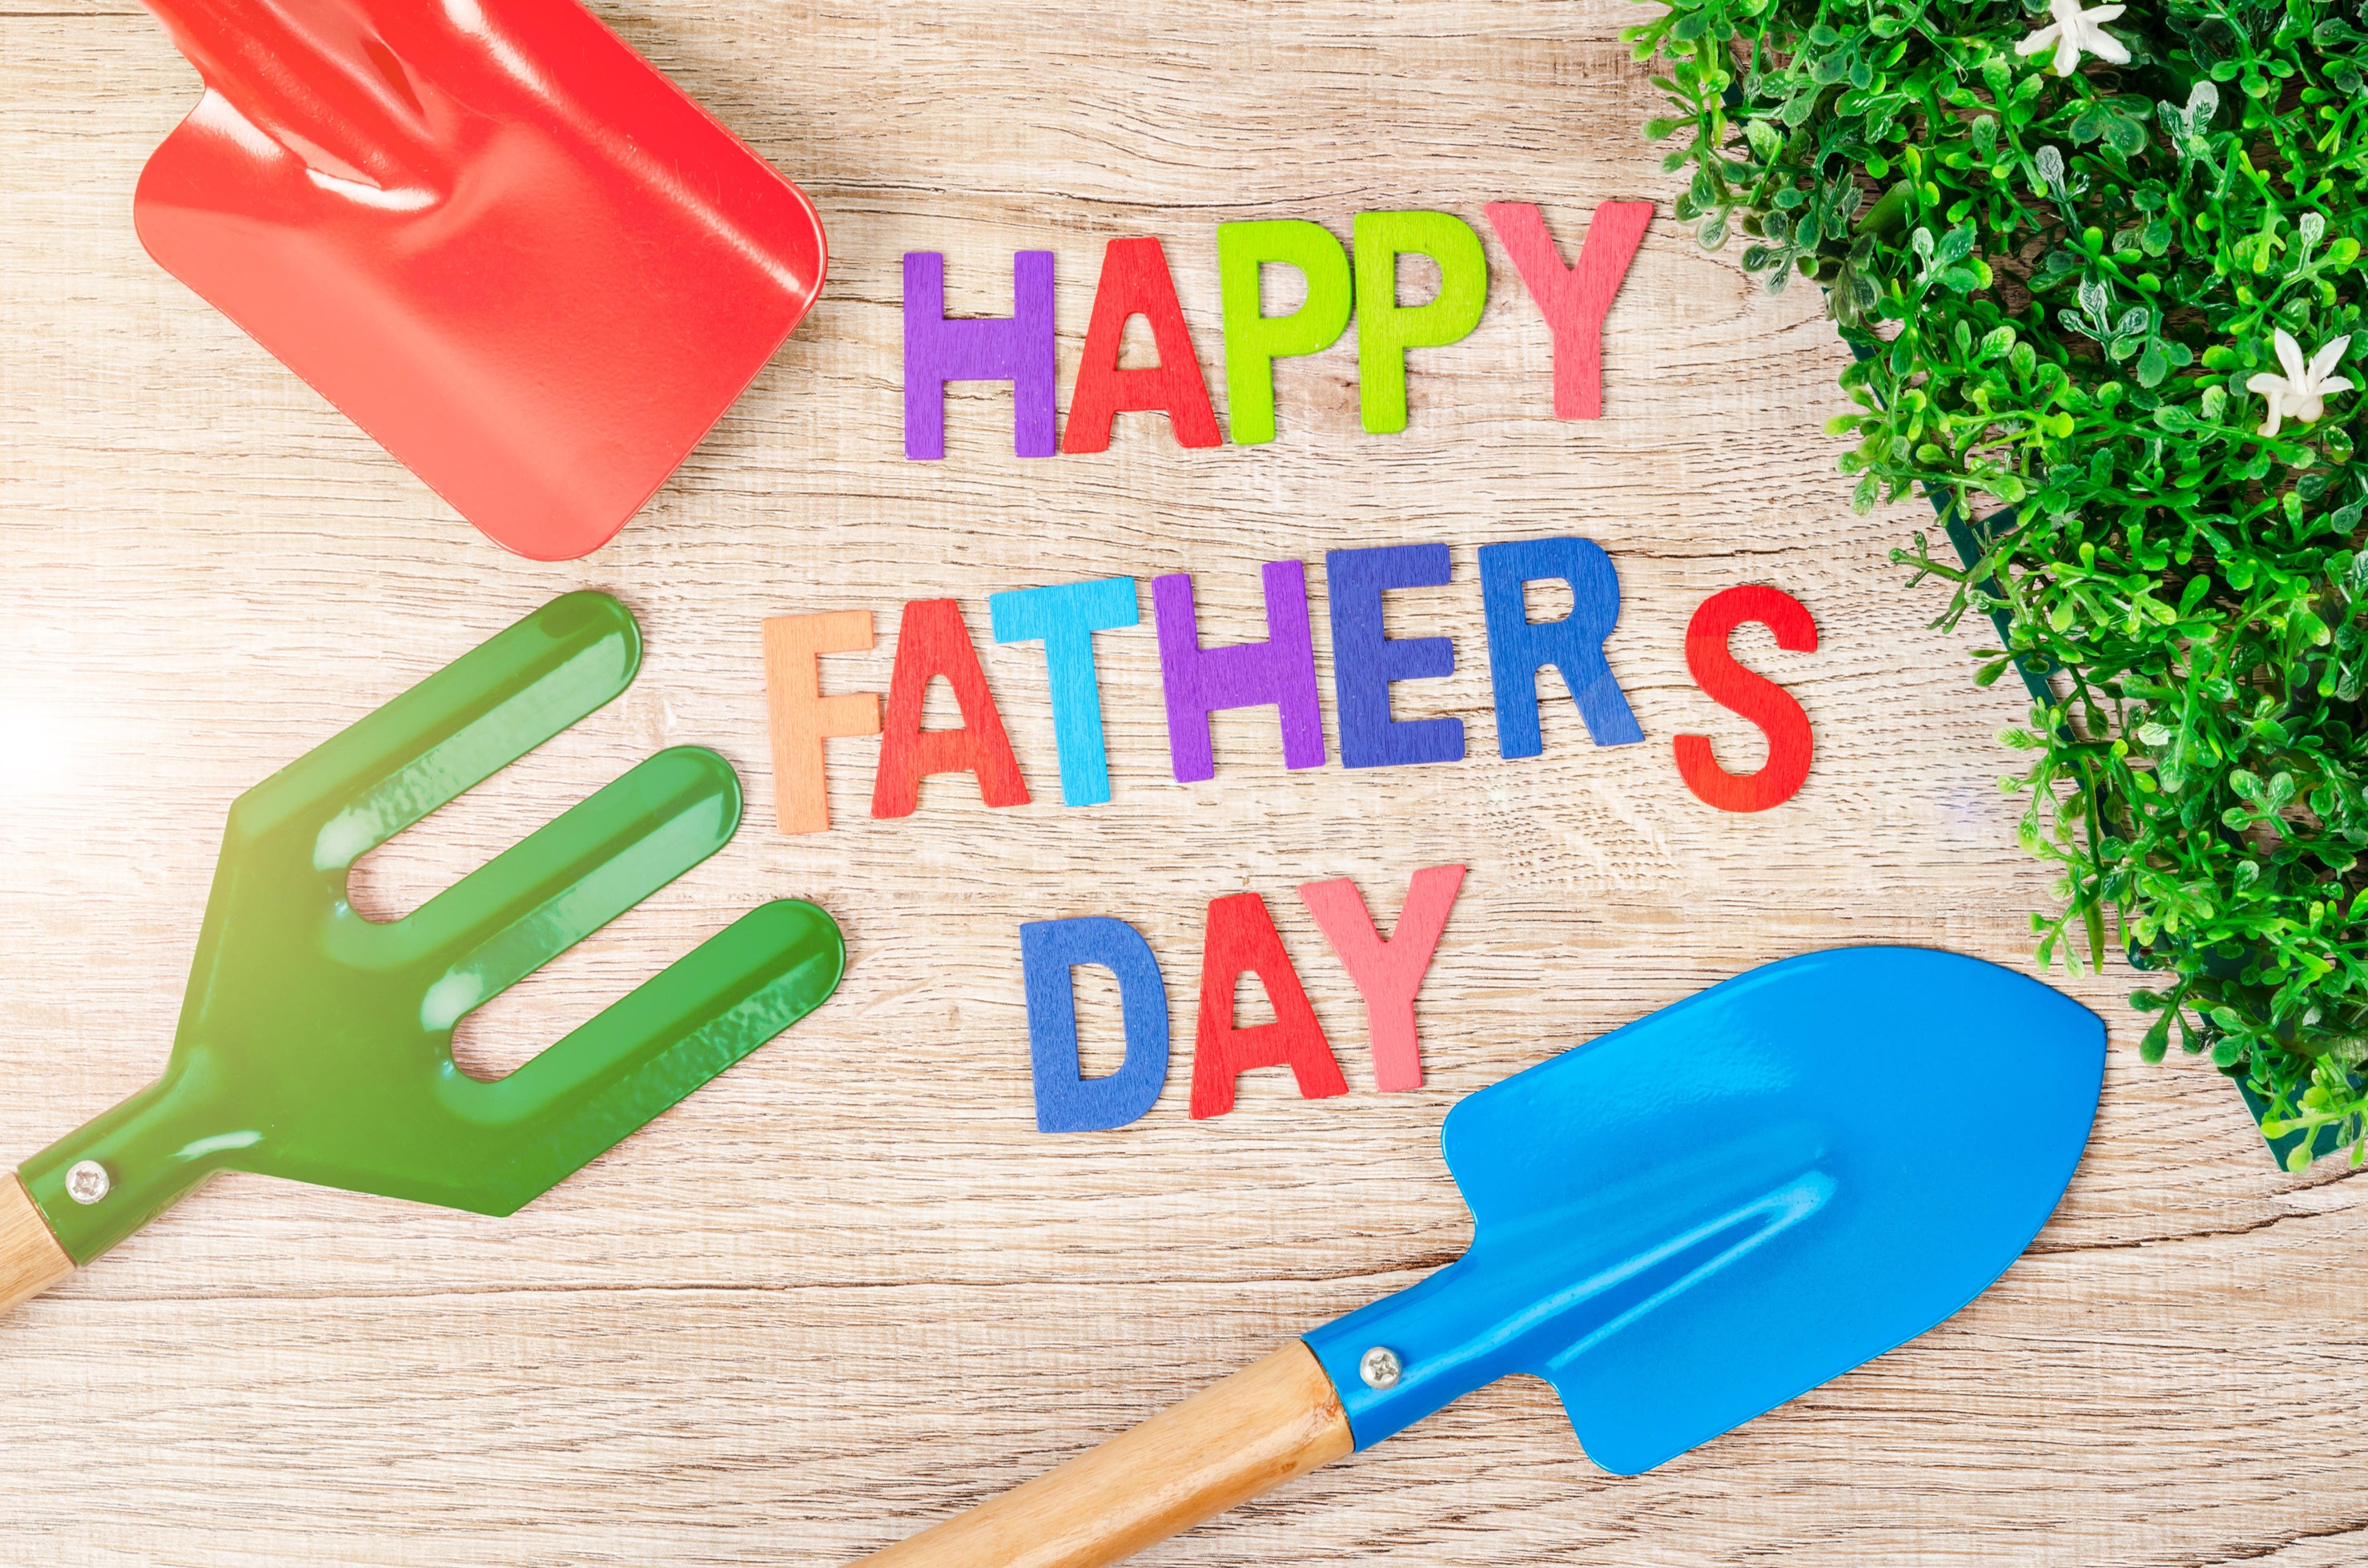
(1199, 681)
(1015, 348)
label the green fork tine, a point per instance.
(450, 733)
(575, 874)
(729, 995)
(317, 1045)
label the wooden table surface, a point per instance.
(847, 1286)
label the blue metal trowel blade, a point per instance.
(1719, 1206)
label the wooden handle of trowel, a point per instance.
(1256, 1430)
(30, 1259)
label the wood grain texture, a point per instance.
(30, 1259)
(1268, 1423)
(847, 1286)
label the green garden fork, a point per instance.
(317, 1045)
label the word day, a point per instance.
(1020, 348)
(1198, 681)
(1239, 939)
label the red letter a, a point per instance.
(1134, 282)
(931, 641)
(1241, 935)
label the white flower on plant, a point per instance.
(2075, 30)
(2302, 393)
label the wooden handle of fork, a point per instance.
(30, 1259)
(1259, 1428)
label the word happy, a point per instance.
(1019, 348)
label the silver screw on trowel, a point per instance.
(1381, 1367)
(86, 1181)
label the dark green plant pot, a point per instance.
(1972, 540)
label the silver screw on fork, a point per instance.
(1381, 1367)
(86, 1181)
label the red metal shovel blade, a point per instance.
(490, 233)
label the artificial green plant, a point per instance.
(2103, 270)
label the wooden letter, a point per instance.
(1135, 282)
(1758, 699)
(1018, 349)
(1575, 299)
(1066, 1100)
(802, 718)
(1201, 681)
(1253, 341)
(1241, 935)
(1519, 647)
(1366, 663)
(1065, 617)
(1385, 329)
(1387, 973)
(931, 641)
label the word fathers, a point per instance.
(1199, 681)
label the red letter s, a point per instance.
(1755, 697)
